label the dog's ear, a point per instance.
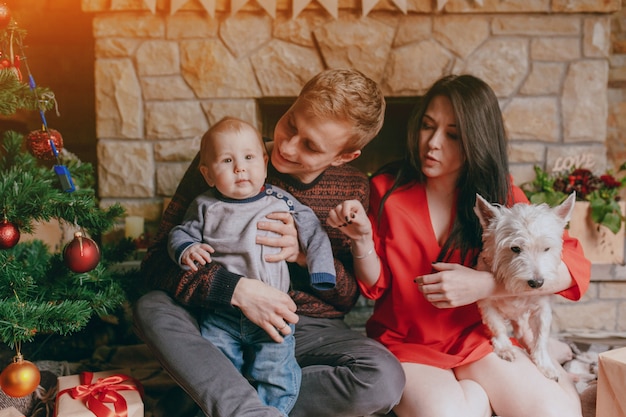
(484, 210)
(565, 209)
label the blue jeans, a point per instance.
(344, 373)
(271, 367)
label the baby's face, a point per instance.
(238, 165)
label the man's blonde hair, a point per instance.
(225, 126)
(349, 95)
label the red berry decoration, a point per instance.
(38, 143)
(5, 16)
(9, 234)
(20, 378)
(81, 254)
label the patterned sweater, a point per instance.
(212, 285)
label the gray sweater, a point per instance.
(230, 227)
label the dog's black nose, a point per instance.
(535, 283)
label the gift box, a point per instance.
(10, 412)
(97, 394)
(611, 399)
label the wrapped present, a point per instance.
(103, 394)
(611, 399)
(10, 412)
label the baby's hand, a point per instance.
(351, 219)
(198, 253)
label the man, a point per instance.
(343, 372)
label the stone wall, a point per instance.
(162, 79)
(603, 309)
(616, 93)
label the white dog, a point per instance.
(522, 248)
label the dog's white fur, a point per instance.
(522, 247)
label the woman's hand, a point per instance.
(287, 241)
(351, 219)
(266, 306)
(454, 285)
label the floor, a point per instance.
(109, 344)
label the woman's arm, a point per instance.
(351, 219)
(452, 285)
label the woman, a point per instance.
(423, 229)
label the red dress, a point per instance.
(408, 325)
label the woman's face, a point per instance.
(440, 149)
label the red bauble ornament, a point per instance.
(81, 254)
(19, 378)
(38, 143)
(5, 16)
(9, 234)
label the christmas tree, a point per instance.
(41, 291)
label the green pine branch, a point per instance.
(30, 193)
(38, 293)
(16, 95)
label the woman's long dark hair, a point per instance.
(483, 141)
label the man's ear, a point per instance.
(204, 170)
(346, 157)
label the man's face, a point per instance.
(305, 146)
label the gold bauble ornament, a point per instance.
(20, 378)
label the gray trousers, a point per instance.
(343, 372)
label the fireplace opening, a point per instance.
(387, 146)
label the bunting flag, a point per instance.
(298, 6)
(236, 5)
(176, 4)
(331, 6)
(151, 5)
(269, 6)
(400, 4)
(442, 3)
(209, 6)
(367, 6)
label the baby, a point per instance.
(221, 226)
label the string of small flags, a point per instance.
(331, 6)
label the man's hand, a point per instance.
(199, 253)
(267, 307)
(287, 241)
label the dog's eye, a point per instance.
(516, 249)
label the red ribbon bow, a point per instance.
(104, 390)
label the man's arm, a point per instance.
(337, 185)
